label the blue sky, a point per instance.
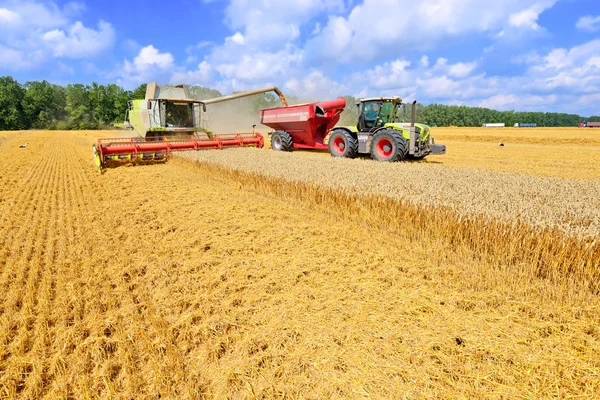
(511, 54)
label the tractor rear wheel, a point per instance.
(342, 144)
(282, 141)
(388, 145)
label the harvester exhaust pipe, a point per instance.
(413, 117)
(249, 93)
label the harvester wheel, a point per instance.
(342, 144)
(282, 141)
(388, 145)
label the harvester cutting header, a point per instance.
(168, 120)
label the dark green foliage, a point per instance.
(139, 93)
(12, 115)
(441, 115)
(43, 105)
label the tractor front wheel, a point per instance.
(282, 141)
(342, 144)
(388, 145)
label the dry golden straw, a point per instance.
(185, 280)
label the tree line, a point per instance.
(43, 105)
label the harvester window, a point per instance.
(178, 115)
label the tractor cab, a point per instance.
(376, 112)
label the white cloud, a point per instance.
(203, 75)
(149, 65)
(265, 47)
(149, 56)
(350, 39)
(259, 66)
(588, 23)
(274, 23)
(510, 101)
(317, 29)
(9, 17)
(237, 38)
(26, 15)
(528, 17)
(14, 59)
(79, 41)
(315, 86)
(460, 70)
(562, 79)
(33, 32)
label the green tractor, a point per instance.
(383, 132)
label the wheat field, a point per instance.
(226, 279)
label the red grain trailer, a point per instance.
(302, 126)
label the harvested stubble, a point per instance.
(175, 281)
(561, 161)
(557, 152)
(551, 224)
(566, 136)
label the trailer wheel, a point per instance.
(342, 144)
(282, 141)
(389, 145)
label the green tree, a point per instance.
(108, 103)
(44, 104)
(12, 115)
(139, 93)
(79, 107)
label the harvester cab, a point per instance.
(165, 112)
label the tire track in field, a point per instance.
(51, 326)
(69, 294)
(22, 366)
(58, 232)
(20, 218)
(112, 343)
(15, 271)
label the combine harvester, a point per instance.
(169, 120)
(379, 131)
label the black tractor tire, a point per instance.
(388, 145)
(282, 141)
(342, 144)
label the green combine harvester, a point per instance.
(168, 120)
